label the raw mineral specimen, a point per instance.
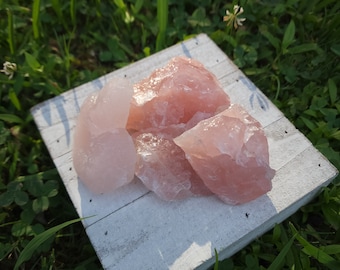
(163, 167)
(184, 139)
(104, 155)
(173, 94)
(173, 99)
(229, 151)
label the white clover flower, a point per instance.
(9, 69)
(232, 18)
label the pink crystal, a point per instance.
(186, 139)
(163, 167)
(109, 108)
(173, 94)
(104, 156)
(229, 151)
(171, 100)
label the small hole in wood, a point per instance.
(247, 215)
(57, 141)
(217, 60)
(286, 131)
(90, 200)
(106, 233)
(125, 76)
(319, 165)
(70, 169)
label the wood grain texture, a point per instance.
(131, 228)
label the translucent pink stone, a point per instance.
(164, 105)
(104, 155)
(229, 151)
(173, 94)
(186, 139)
(109, 108)
(163, 167)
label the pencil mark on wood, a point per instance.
(75, 98)
(261, 99)
(59, 104)
(97, 84)
(185, 50)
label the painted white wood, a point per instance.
(131, 228)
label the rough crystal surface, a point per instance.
(174, 94)
(163, 167)
(104, 156)
(171, 100)
(229, 151)
(184, 139)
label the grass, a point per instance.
(289, 49)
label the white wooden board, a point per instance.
(132, 229)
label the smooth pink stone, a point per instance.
(229, 151)
(109, 108)
(174, 94)
(105, 162)
(104, 155)
(163, 167)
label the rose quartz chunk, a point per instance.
(229, 151)
(171, 100)
(104, 155)
(109, 108)
(173, 94)
(186, 139)
(163, 167)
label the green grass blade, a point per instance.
(275, 42)
(162, 14)
(138, 5)
(303, 48)
(216, 260)
(277, 263)
(39, 239)
(315, 252)
(162, 19)
(50, 174)
(57, 8)
(310, 124)
(35, 18)
(120, 4)
(292, 257)
(288, 36)
(10, 31)
(322, 4)
(32, 61)
(331, 249)
(333, 91)
(73, 12)
(276, 233)
(11, 118)
(14, 99)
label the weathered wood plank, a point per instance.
(182, 234)
(131, 227)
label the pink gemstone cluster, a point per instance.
(177, 132)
